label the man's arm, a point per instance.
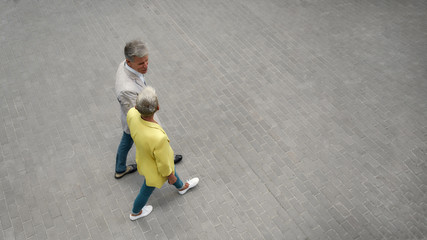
(172, 178)
(164, 156)
(127, 100)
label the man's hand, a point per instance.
(171, 178)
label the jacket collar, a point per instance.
(152, 125)
(132, 75)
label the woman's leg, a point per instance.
(142, 198)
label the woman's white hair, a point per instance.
(147, 103)
(135, 48)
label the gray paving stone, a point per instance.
(304, 120)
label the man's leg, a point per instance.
(122, 152)
(178, 184)
(139, 209)
(183, 188)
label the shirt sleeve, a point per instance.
(128, 100)
(163, 154)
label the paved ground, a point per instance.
(304, 119)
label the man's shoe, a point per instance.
(144, 212)
(177, 159)
(129, 169)
(191, 183)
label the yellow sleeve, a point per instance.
(163, 154)
(129, 115)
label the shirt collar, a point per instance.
(140, 75)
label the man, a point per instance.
(129, 82)
(154, 155)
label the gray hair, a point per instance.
(147, 102)
(135, 48)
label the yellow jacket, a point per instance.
(154, 155)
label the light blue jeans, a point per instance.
(145, 193)
(122, 152)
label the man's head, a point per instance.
(136, 54)
(147, 103)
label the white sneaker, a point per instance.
(191, 183)
(144, 212)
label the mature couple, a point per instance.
(155, 158)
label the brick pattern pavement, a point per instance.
(303, 119)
